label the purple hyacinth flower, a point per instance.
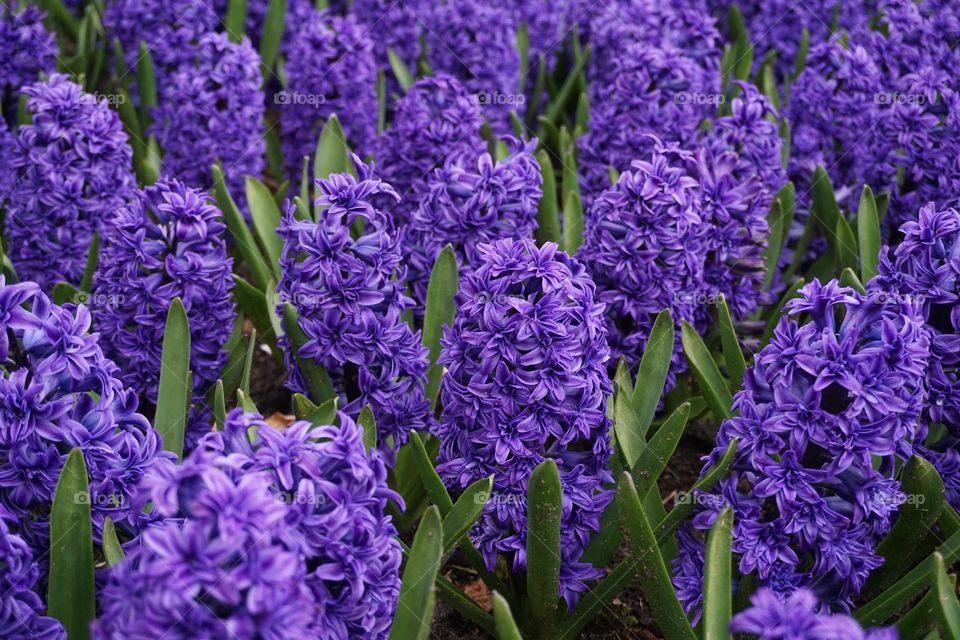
(829, 406)
(349, 296)
(71, 169)
(26, 50)
(170, 243)
(526, 381)
(211, 109)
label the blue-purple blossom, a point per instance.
(925, 267)
(267, 534)
(476, 42)
(211, 109)
(644, 246)
(71, 168)
(473, 200)
(739, 170)
(169, 28)
(169, 243)
(774, 617)
(436, 119)
(655, 71)
(827, 409)
(26, 49)
(393, 25)
(526, 381)
(57, 392)
(22, 609)
(348, 292)
(330, 69)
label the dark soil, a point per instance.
(267, 379)
(627, 618)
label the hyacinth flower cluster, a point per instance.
(795, 617)
(169, 28)
(71, 168)
(823, 415)
(349, 295)
(739, 171)
(58, 391)
(168, 243)
(652, 76)
(265, 533)
(436, 119)
(330, 69)
(22, 614)
(26, 50)
(211, 109)
(473, 200)
(476, 42)
(526, 381)
(644, 246)
(925, 267)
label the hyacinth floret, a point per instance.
(925, 267)
(26, 50)
(644, 245)
(22, 611)
(473, 200)
(267, 533)
(436, 119)
(526, 381)
(169, 243)
(58, 392)
(349, 295)
(71, 168)
(824, 413)
(211, 109)
(796, 617)
(330, 69)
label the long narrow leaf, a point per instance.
(464, 512)
(868, 233)
(112, 551)
(714, 387)
(318, 382)
(332, 154)
(717, 579)
(948, 606)
(654, 368)
(657, 453)
(274, 25)
(544, 512)
(440, 310)
(415, 605)
(173, 396)
(265, 215)
(548, 211)
(502, 616)
(245, 243)
(732, 353)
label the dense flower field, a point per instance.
(543, 319)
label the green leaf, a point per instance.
(236, 19)
(274, 26)
(432, 483)
(112, 551)
(569, 180)
(64, 293)
(705, 369)
(544, 511)
(572, 223)
(266, 219)
(780, 220)
(824, 205)
(465, 512)
(559, 102)
(381, 101)
(920, 619)
(656, 454)
(631, 438)
(368, 423)
(868, 232)
(948, 607)
(173, 396)
(440, 310)
(717, 581)
(846, 244)
(400, 70)
(523, 49)
(70, 595)
(318, 382)
(245, 402)
(849, 279)
(800, 62)
(651, 569)
(248, 362)
(255, 306)
(146, 83)
(924, 489)
(621, 378)
(654, 367)
(506, 627)
(415, 607)
(219, 404)
(332, 154)
(706, 482)
(548, 212)
(732, 353)
(242, 237)
(93, 257)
